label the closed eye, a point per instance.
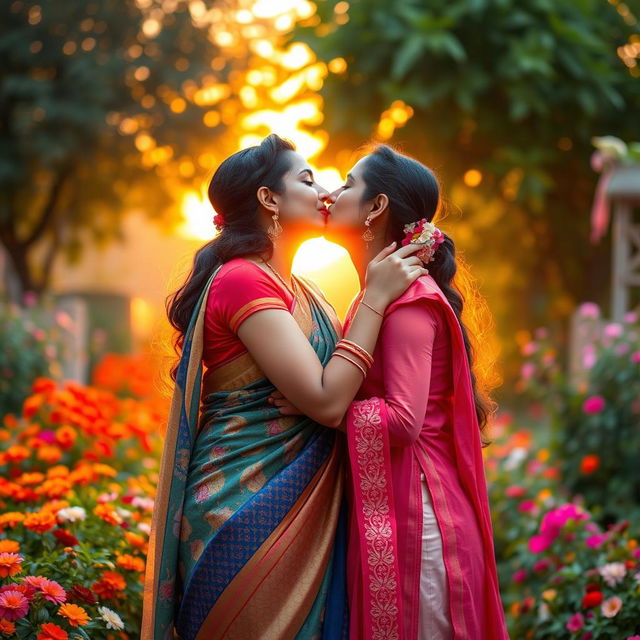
(308, 182)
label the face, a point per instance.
(302, 204)
(347, 212)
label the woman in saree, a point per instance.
(248, 535)
(421, 561)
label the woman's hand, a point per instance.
(391, 273)
(286, 408)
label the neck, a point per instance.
(361, 256)
(282, 258)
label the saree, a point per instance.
(387, 506)
(248, 536)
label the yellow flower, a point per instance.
(549, 594)
(543, 455)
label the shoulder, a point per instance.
(425, 294)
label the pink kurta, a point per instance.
(416, 409)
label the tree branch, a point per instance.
(48, 210)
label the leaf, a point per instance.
(406, 57)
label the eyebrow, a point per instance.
(349, 176)
(306, 171)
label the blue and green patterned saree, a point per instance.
(248, 537)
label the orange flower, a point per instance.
(105, 470)
(50, 454)
(130, 563)
(108, 513)
(54, 487)
(34, 477)
(10, 564)
(59, 471)
(7, 627)
(31, 405)
(136, 540)
(11, 519)
(50, 631)
(110, 586)
(44, 385)
(17, 453)
(66, 436)
(40, 521)
(589, 464)
(9, 546)
(115, 579)
(75, 615)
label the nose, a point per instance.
(323, 194)
(333, 196)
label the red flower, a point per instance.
(592, 599)
(81, 594)
(589, 464)
(65, 538)
(218, 221)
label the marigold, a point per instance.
(9, 546)
(59, 471)
(130, 563)
(75, 615)
(34, 477)
(66, 436)
(13, 605)
(50, 631)
(104, 470)
(10, 564)
(11, 519)
(136, 540)
(7, 628)
(17, 453)
(108, 513)
(40, 521)
(49, 454)
(54, 488)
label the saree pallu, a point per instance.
(385, 557)
(249, 535)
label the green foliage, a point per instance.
(79, 82)
(595, 416)
(27, 351)
(513, 88)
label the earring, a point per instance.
(275, 229)
(368, 235)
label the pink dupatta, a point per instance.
(376, 592)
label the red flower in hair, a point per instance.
(218, 221)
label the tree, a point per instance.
(502, 98)
(100, 103)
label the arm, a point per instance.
(407, 346)
(289, 361)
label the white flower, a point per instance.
(515, 457)
(123, 513)
(71, 514)
(113, 620)
(142, 503)
(613, 573)
(145, 528)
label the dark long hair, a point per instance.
(414, 193)
(232, 193)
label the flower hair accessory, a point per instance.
(218, 221)
(425, 233)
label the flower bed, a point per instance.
(77, 480)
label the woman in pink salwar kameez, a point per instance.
(421, 561)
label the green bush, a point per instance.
(595, 413)
(28, 350)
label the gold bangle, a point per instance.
(356, 349)
(353, 362)
(372, 309)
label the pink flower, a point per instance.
(35, 582)
(635, 357)
(589, 310)
(529, 349)
(593, 405)
(538, 544)
(597, 540)
(526, 506)
(613, 573)
(13, 605)
(613, 330)
(575, 622)
(633, 638)
(589, 356)
(541, 333)
(611, 606)
(623, 348)
(541, 565)
(631, 317)
(519, 576)
(53, 591)
(515, 491)
(528, 371)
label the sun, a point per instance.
(198, 217)
(330, 267)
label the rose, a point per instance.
(593, 405)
